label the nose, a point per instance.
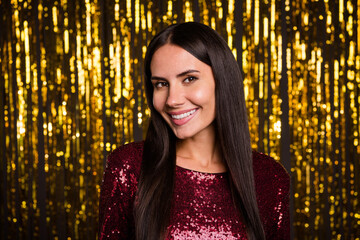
(175, 97)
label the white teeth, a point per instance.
(183, 115)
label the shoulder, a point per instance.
(118, 190)
(267, 167)
(127, 157)
(272, 183)
(269, 173)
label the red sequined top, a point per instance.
(202, 206)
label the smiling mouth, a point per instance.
(183, 115)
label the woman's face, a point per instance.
(184, 91)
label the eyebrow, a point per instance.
(187, 72)
(178, 75)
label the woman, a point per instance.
(195, 176)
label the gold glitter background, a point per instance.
(71, 91)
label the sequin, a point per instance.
(202, 206)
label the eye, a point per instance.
(160, 84)
(190, 79)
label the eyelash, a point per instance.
(187, 80)
(190, 78)
(157, 84)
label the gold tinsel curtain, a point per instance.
(71, 91)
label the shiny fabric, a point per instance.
(202, 206)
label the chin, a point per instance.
(182, 136)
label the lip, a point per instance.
(182, 121)
(181, 112)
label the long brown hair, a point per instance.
(156, 182)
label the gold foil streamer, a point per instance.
(79, 66)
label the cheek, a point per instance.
(158, 102)
(204, 96)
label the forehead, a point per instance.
(171, 58)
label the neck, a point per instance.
(200, 153)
